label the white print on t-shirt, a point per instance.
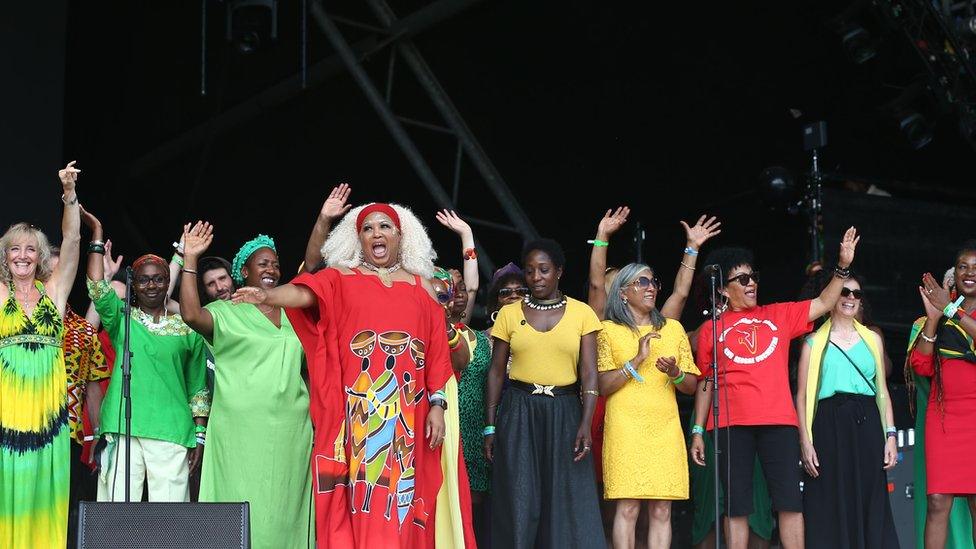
(746, 332)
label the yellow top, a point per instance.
(643, 446)
(546, 358)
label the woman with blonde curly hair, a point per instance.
(378, 360)
(34, 433)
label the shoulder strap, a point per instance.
(854, 365)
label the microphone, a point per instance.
(712, 269)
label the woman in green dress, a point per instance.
(34, 434)
(259, 435)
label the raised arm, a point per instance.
(294, 296)
(196, 241)
(450, 219)
(611, 222)
(823, 303)
(332, 210)
(696, 236)
(64, 274)
(96, 268)
(939, 299)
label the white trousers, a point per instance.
(163, 464)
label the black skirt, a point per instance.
(540, 497)
(847, 505)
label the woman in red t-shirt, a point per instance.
(755, 403)
(944, 351)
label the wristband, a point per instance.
(177, 259)
(629, 368)
(72, 202)
(841, 272)
(950, 309)
(488, 430)
(679, 379)
(691, 251)
(598, 243)
(697, 429)
(200, 429)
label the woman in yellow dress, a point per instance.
(642, 358)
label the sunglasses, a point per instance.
(847, 292)
(644, 282)
(521, 291)
(743, 279)
(144, 280)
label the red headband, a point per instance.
(377, 207)
(150, 258)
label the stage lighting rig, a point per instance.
(251, 23)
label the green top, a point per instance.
(169, 366)
(837, 374)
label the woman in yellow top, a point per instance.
(643, 358)
(543, 490)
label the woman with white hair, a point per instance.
(378, 356)
(34, 433)
(643, 359)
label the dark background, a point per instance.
(670, 108)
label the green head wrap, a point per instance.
(248, 249)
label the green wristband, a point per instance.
(598, 243)
(679, 379)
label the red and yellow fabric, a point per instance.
(84, 362)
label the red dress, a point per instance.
(374, 354)
(950, 437)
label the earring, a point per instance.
(624, 299)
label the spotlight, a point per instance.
(858, 43)
(778, 188)
(251, 23)
(916, 129)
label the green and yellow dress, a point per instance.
(34, 437)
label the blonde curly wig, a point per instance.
(19, 233)
(343, 249)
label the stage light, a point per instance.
(251, 24)
(778, 189)
(858, 43)
(915, 127)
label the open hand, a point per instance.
(847, 246)
(701, 231)
(196, 240)
(109, 266)
(612, 221)
(451, 220)
(335, 205)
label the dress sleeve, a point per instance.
(107, 304)
(97, 363)
(306, 322)
(196, 378)
(685, 361)
(604, 353)
(924, 365)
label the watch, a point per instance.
(439, 402)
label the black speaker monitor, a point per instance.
(163, 525)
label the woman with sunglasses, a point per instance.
(170, 404)
(543, 490)
(755, 402)
(944, 351)
(643, 358)
(848, 435)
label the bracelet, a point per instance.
(633, 372)
(598, 243)
(691, 251)
(488, 430)
(842, 272)
(72, 202)
(950, 309)
(687, 266)
(437, 395)
(96, 248)
(591, 392)
(438, 402)
(679, 379)
(470, 253)
(697, 429)
(201, 441)
(189, 271)
(927, 338)
(177, 259)
(96, 243)
(453, 342)
(200, 429)
(625, 373)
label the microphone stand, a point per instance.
(715, 407)
(127, 379)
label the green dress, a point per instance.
(34, 434)
(259, 437)
(471, 407)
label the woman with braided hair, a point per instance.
(945, 352)
(258, 391)
(378, 358)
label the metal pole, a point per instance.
(389, 119)
(454, 120)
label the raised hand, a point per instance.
(701, 231)
(335, 205)
(110, 267)
(611, 222)
(249, 294)
(847, 246)
(68, 177)
(197, 239)
(450, 219)
(933, 294)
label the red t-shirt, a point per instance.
(753, 363)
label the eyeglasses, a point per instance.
(743, 279)
(644, 282)
(444, 298)
(521, 291)
(847, 292)
(144, 280)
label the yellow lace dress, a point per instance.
(644, 453)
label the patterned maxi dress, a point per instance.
(471, 390)
(34, 437)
